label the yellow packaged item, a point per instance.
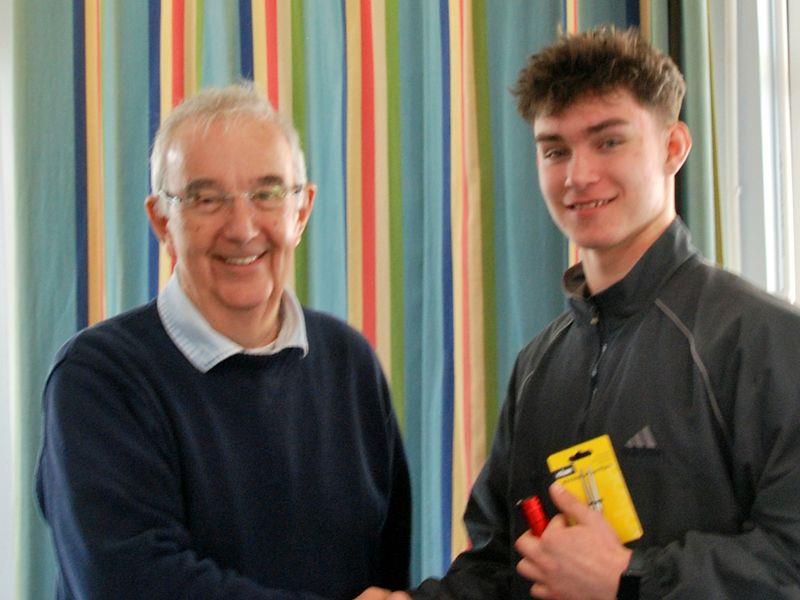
(590, 472)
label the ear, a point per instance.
(304, 212)
(679, 143)
(158, 222)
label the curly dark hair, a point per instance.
(597, 62)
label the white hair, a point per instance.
(229, 104)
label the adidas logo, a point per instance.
(643, 440)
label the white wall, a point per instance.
(8, 388)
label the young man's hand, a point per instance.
(581, 561)
(376, 593)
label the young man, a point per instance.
(222, 441)
(692, 372)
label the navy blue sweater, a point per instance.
(268, 477)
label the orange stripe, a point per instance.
(271, 11)
(368, 172)
(178, 32)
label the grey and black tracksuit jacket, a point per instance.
(695, 375)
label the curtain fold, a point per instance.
(429, 231)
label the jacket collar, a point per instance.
(639, 287)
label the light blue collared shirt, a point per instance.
(205, 347)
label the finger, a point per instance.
(399, 596)
(527, 544)
(529, 570)
(540, 590)
(568, 504)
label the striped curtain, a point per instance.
(429, 233)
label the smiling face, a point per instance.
(232, 264)
(606, 169)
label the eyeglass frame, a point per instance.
(227, 200)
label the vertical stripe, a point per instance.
(485, 159)
(645, 25)
(354, 181)
(154, 31)
(383, 300)
(191, 47)
(396, 254)
(259, 37)
(283, 16)
(246, 39)
(178, 33)
(81, 195)
(447, 292)
(573, 26)
(298, 103)
(94, 162)
(460, 215)
(632, 14)
(271, 37)
(367, 174)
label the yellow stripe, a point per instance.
(164, 260)
(94, 163)
(459, 482)
(383, 263)
(355, 307)
(259, 44)
(645, 25)
(284, 28)
(191, 47)
(475, 255)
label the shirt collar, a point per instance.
(205, 347)
(642, 283)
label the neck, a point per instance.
(605, 267)
(251, 330)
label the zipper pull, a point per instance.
(595, 316)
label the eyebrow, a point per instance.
(591, 130)
(199, 184)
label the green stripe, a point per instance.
(199, 39)
(395, 209)
(714, 154)
(482, 101)
(299, 118)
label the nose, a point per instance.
(581, 171)
(240, 226)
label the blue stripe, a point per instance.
(632, 16)
(154, 30)
(81, 197)
(246, 39)
(447, 298)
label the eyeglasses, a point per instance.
(209, 202)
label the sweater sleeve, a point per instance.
(108, 485)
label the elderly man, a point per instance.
(222, 441)
(692, 372)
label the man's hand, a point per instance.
(376, 593)
(579, 561)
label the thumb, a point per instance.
(570, 506)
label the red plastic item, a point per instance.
(534, 515)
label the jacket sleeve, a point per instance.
(486, 570)
(758, 386)
(109, 487)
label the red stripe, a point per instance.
(466, 316)
(178, 33)
(368, 172)
(271, 12)
(574, 16)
